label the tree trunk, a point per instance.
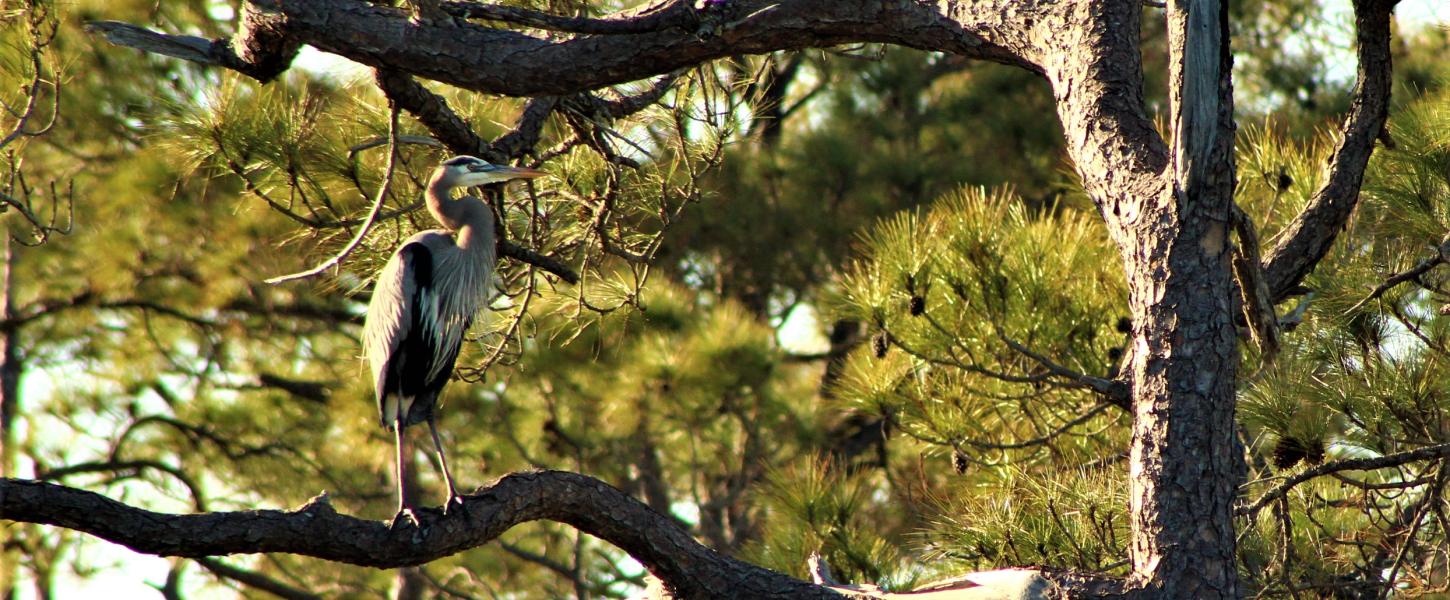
(1186, 462)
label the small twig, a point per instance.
(1115, 392)
(372, 214)
(1404, 548)
(1415, 272)
(421, 140)
(1046, 437)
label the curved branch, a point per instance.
(255, 580)
(1308, 238)
(315, 529)
(197, 498)
(511, 63)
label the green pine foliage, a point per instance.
(1363, 377)
(949, 291)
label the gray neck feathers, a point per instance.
(470, 270)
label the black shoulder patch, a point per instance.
(420, 262)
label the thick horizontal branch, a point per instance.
(511, 63)
(1308, 238)
(315, 529)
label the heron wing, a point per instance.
(396, 336)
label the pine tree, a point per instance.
(973, 406)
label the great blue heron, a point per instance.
(424, 300)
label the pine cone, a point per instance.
(1288, 452)
(959, 462)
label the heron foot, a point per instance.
(455, 504)
(405, 515)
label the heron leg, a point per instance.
(443, 460)
(405, 504)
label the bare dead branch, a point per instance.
(262, 48)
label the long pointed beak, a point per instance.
(517, 173)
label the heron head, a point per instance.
(468, 171)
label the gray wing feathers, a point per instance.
(423, 302)
(390, 315)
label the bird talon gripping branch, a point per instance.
(405, 515)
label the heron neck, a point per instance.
(468, 217)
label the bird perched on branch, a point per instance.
(424, 300)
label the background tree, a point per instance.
(975, 349)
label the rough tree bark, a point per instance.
(1165, 203)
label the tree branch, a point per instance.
(373, 213)
(1442, 256)
(1352, 464)
(677, 14)
(547, 263)
(315, 529)
(1308, 238)
(262, 49)
(511, 63)
(1113, 391)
